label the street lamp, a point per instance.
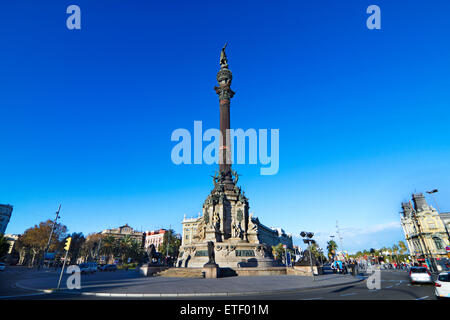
(307, 238)
(47, 247)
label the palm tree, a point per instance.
(125, 246)
(331, 247)
(402, 247)
(395, 250)
(108, 247)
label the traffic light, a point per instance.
(68, 241)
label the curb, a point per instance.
(180, 295)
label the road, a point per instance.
(394, 286)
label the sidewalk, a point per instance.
(131, 285)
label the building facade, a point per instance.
(155, 237)
(5, 216)
(123, 231)
(445, 216)
(424, 229)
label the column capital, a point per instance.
(224, 92)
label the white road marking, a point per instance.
(23, 295)
(422, 298)
(347, 294)
(389, 287)
(313, 298)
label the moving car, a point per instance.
(420, 275)
(109, 267)
(2, 266)
(442, 285)
(88, 267)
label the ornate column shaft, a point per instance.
(224, 78)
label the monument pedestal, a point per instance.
(211, 270)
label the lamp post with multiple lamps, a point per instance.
(47, 247)
(307, 238)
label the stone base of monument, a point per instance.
(211, 270)
(228, 254)
(304, 270)
(149, 270)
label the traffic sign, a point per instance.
(447, 248)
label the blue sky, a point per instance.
(87, 115)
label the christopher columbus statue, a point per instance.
(223, 58)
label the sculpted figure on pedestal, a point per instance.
(251, 225)
(216, 221)
(201, 230)
(236, 230)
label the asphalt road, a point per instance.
(394, 286)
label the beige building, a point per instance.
(5, 216)
(155, 237)
(424, 229)
(123, 231)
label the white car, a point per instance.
(442, 285)
(420, 275)
(2, 266)
(88, 267)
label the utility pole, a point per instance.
(340, 238)
(50, 238)
(168, 243)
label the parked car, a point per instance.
(88, 267)
(109, 267)
(2, 266)
(442, 285)
(420, 275)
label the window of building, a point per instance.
(438, 243)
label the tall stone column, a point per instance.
(224, 78)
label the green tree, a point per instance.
(331, 247)
(4, 246)
(402, 247)
(90, 246)
(170, 239)
(278, 252)
(317, 252)
(34, 239)
(108, 247)
(76, 244)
